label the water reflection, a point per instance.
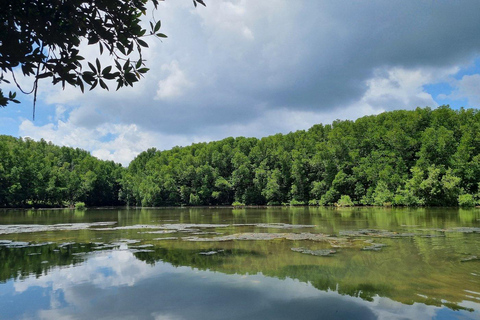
(116, 285)
(156, 264)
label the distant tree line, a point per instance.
(422, 157)
(408, 158)
(41, 174)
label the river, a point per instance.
(252, 263)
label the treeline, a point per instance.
(407, 158)
(42, 174)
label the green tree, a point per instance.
(42, 39)
(406, 158)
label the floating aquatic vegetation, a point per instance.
(204, 233)
(15, 244)
(66, 244)
(374, 247)
(210, 253)
(127, 241)
(194, 228)
(283, 226)
(262, 236)
(159, 232)
(28, 228)
(433, 236)
(140, 250)
(375, 233)
(464, 230)
(335, 242)
(105, 246)
(471, 258)
(319, 253)
(142, 246)
(132, 227)
(457, 229)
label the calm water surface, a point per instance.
(275, 263)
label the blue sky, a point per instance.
(256, 68)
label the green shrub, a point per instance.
(195, 199)
(314, 202)
(80, 205)
(382, 195)
(345, 201)
(466, 200)
(294, 202)
(273, 203)
(407, 198)
(238, 204)
(329, 197)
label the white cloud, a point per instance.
(59, 112)
(107, 141)
(86, 127)
(466, 88)
(174, 84)
(400, 88)
(228, 21)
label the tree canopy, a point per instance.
(405, 158)
(41, 39)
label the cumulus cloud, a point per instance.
(108, 141)
(174, 84)
(466, 88)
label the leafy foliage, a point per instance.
(345, 201)
(388, 159)
(406, 158)
(466, 200)
(41, 174)
(42, 39)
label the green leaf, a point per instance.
(142, 43)
(110, 76)
(44, 75)
(126, 65)
(93, 39)
(92, 67)
(157, 26)
(88, 77)
(117, 64)
(121, 48)
(103, 84)
(80, 84)
(99, 67)
(94, 85)
(106, 70)
(161, 35)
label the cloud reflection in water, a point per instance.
(116, 285)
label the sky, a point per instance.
(257, 68)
